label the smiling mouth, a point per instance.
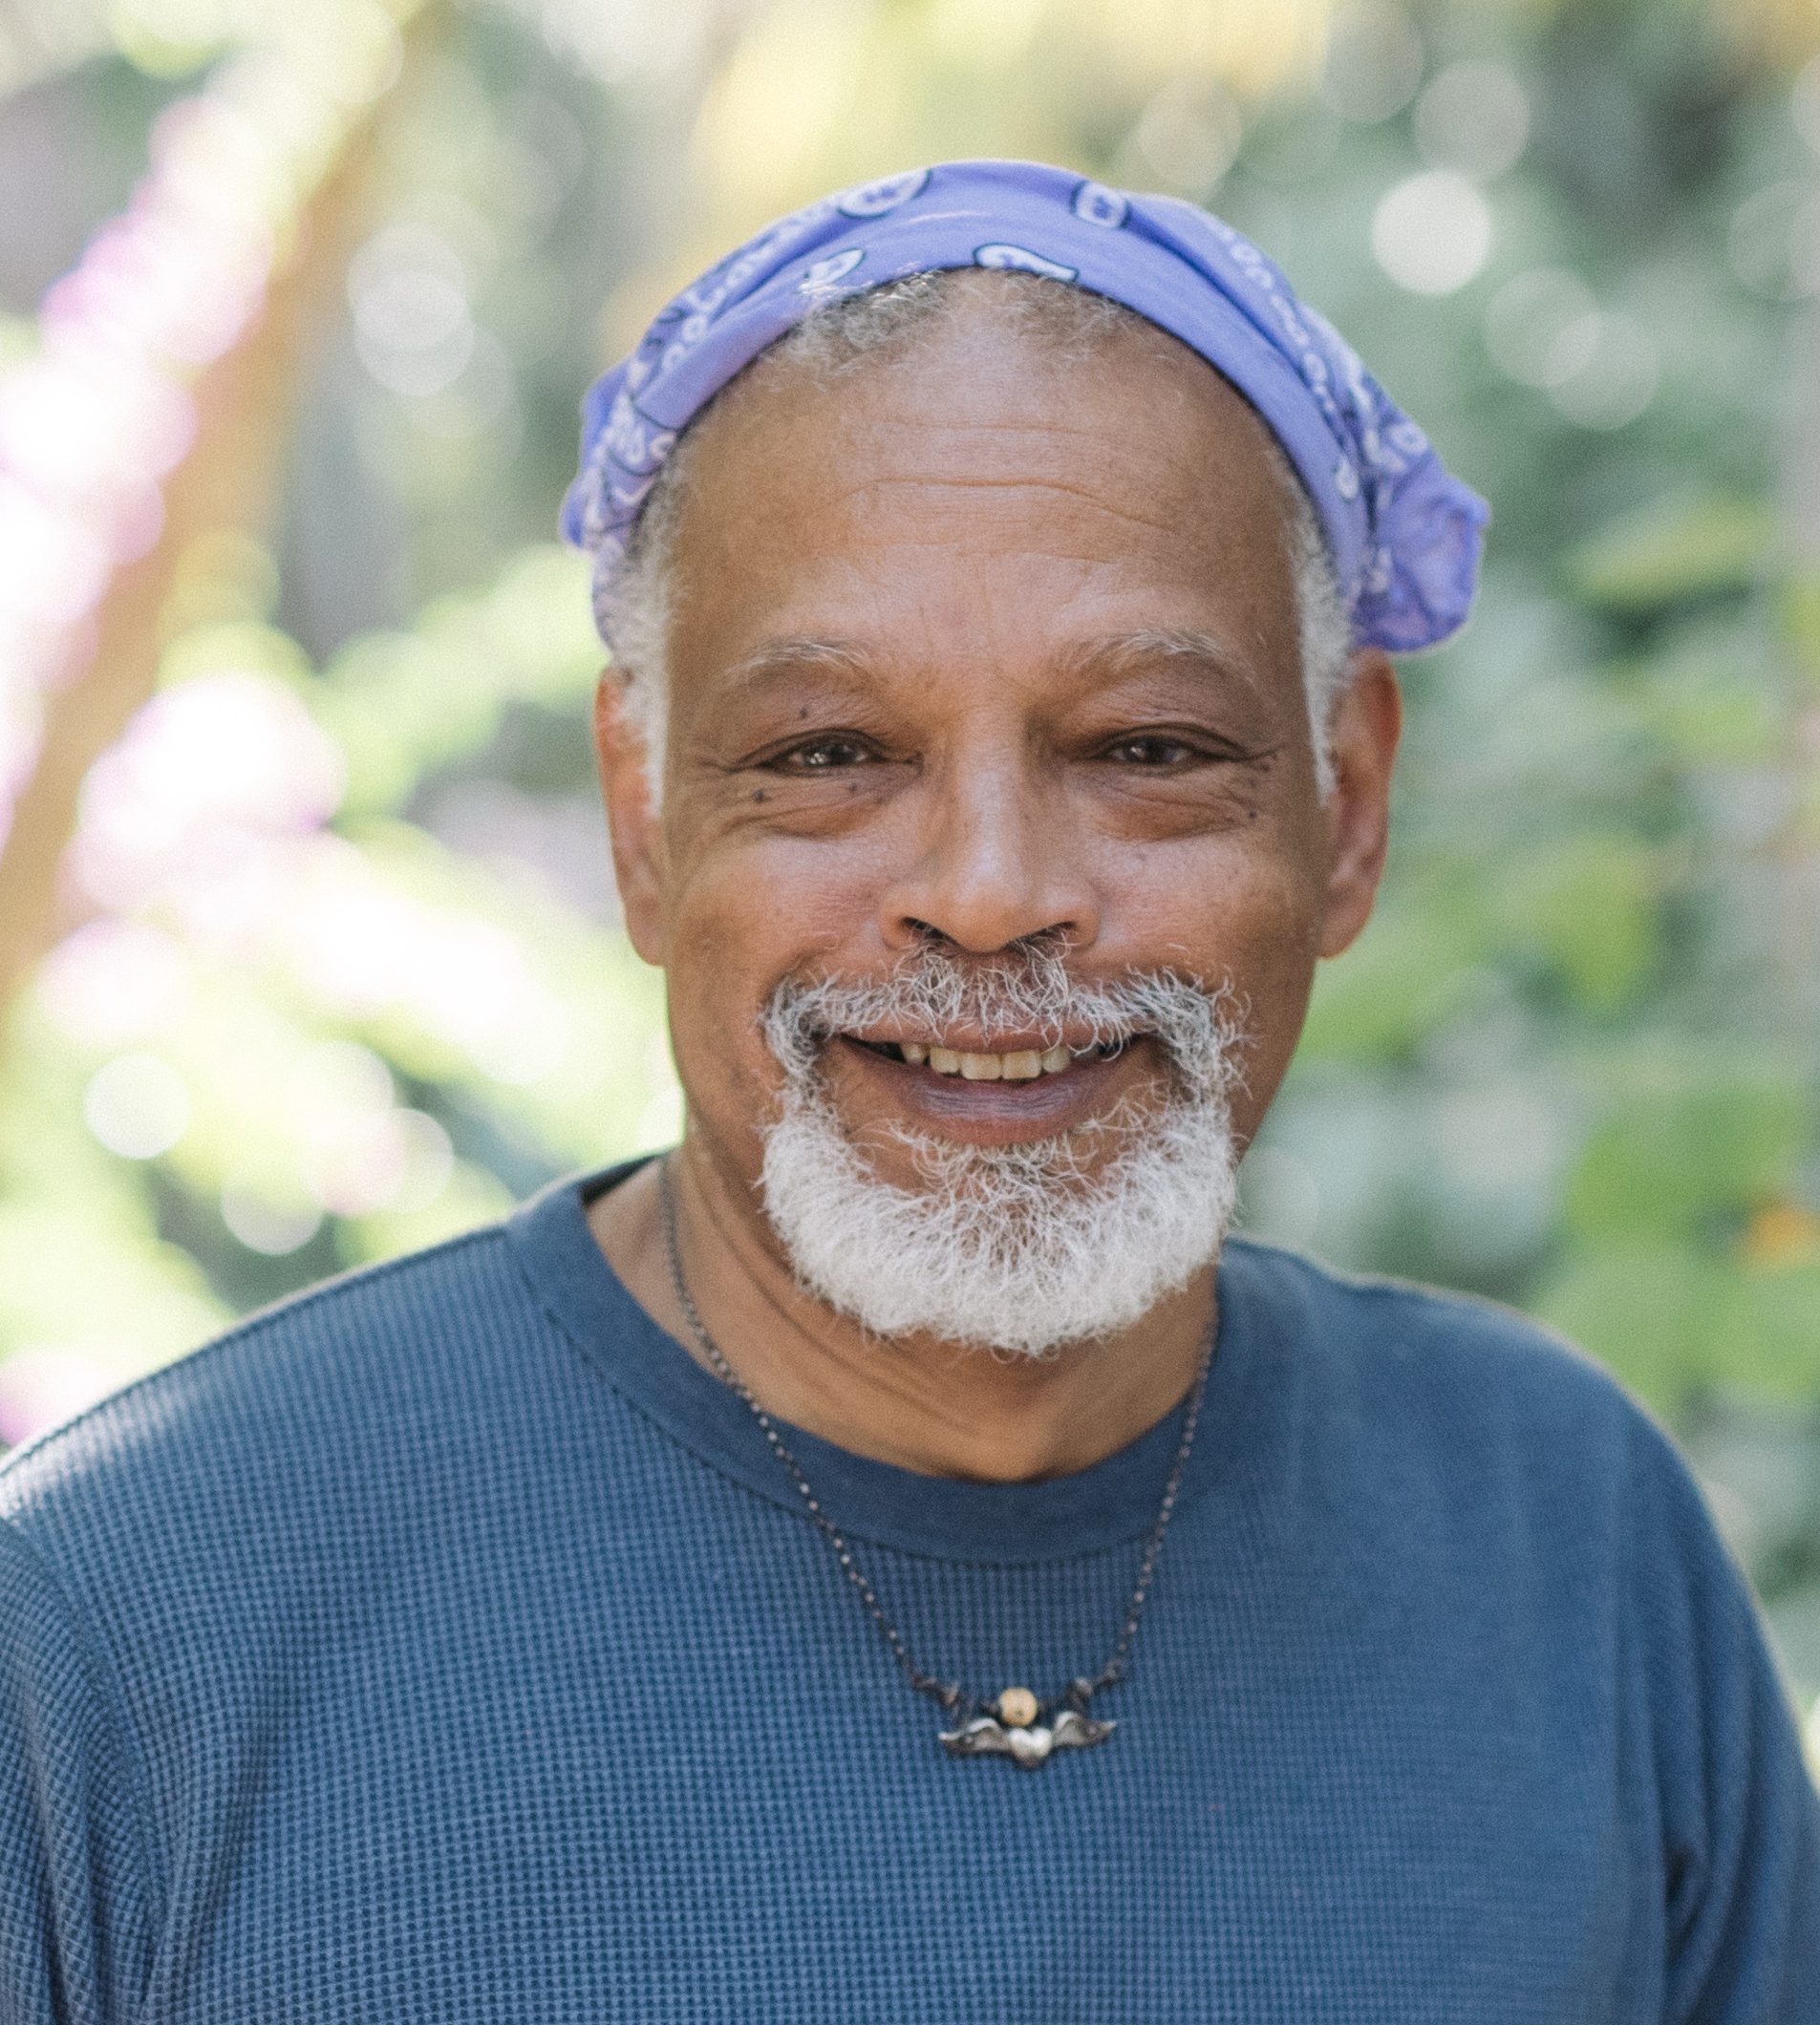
(1019, 1065)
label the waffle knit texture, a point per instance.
(446, 1646)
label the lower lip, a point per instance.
(997, 1113)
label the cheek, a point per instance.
(1233, 903)
(755, 908)
(1247, 919)
(738, 918)
(751, 903)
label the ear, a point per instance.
(1367, 724)
(634, 826)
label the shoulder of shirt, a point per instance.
(1466, 1357)
(1502, 1433)
(354, 1316)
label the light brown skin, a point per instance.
(1001, 745)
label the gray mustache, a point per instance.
(1199, 1028)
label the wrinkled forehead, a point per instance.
(989, 472)
(989, 370)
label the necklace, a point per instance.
(1013, 1723)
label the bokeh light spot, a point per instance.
(1539, 326)
(138, 1106)
(1188, 135)
(266, 1217)
(115, 981)
(1432, 233)
(408, 289)
(1773, 241)
(1618, 378)
(429, 1161)
(1374, 64)
(1474, 117)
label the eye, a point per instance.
(1152, 749)
(823, 754)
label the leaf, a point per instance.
(1686, 546)
(1767, 1331)
(1588, 905)
(1397, 983)
(1667, 1319)
(1712, 714)
(1682, 1145)
(1643, 1310)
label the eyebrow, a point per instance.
(1169, 643)
(775, 660)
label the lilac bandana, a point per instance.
(1404, 534)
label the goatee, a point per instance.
(1020, 1249)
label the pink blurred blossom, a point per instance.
(41, 1387)
(90, 427)
(206, 777)
(112, 981)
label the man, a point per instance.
(888, 1559)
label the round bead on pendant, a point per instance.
(1018, 1708)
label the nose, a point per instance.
(994, 860)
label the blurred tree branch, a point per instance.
(227, 481)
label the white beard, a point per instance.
(1011, 1249)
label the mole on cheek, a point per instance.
(757, 794)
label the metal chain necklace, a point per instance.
(1014, 1723)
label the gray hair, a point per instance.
(1075, 323)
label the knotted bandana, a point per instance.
(1405, 536)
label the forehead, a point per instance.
(981, 461)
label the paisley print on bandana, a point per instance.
(1404, 534)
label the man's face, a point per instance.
(973, 648)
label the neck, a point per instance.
(937, 1408)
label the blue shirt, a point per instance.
(446, 1646)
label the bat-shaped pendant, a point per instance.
(1027, 1744)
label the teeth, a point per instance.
(1022, 1066)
